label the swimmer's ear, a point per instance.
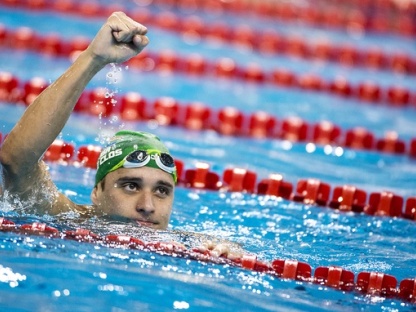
(94, 195)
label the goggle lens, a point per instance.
(137, 157)
(167, 160)
(141, 158)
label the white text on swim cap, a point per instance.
(110, 155)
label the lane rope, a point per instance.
(269, 41)
(309, 191)
(364, 283)
(197, 116)
(367, 283)
(355, 16)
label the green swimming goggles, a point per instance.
(151, 158)
(131, 149)
(141, 158)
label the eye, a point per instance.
(162, 191)
(130, 187)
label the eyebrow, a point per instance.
(140, 181)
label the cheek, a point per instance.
(111, 202)
(167, 207)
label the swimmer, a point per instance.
(136, 174)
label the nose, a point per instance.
(144, 204)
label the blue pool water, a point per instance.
(42, 274)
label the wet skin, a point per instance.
(144, 195)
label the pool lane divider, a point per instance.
(309, 191)
(197, 116)
(353, 17)
(345, 198)
(396, 95)
(356, 17)
(365, 283)
(267, 41)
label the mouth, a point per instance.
(146, 223)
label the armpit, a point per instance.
(35, 192)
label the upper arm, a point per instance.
(34, 189)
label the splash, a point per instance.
(111, 124)
(40, 192)
(7, 275)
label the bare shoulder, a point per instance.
(35, 191)
(64, 204)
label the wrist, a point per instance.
(91, 60)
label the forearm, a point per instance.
(119, 39)
(46, 116)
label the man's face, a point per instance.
(144, 195)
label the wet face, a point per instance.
(144, 195)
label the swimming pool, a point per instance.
(40, 273)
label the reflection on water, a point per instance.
(266, 226)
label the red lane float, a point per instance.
(274, 185)
(407, 290)
(359, 138)
(294, 129)
(33, 88)
(312, 191)
(230, 121)
(133, 107)
(10, 90)
(369, 91)
(398, 96)
(226, 68)
(51, 44)
(308, 191)
(6, 224)
(24, 38)
(39, 229)
(251, 262)
(242, 35)
(292, 269)
(81, 235)
(168, 61)
(253, 73)
(101, 102)
(354, 17)
(335, 277)
(412, 152)
(195, 65)
(348, 198)
(283, 77)
(198, 116)
(325, 132)
(179, 169)
(261, 125)
(377, 284)
(88, 155)
(166, 111)
(368, 283)
(59, 151)
(384, 204)
(239, 180)
(311, 82)
(391, 144)
(410, 208)
(202, 178)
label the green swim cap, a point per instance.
(131, 149)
